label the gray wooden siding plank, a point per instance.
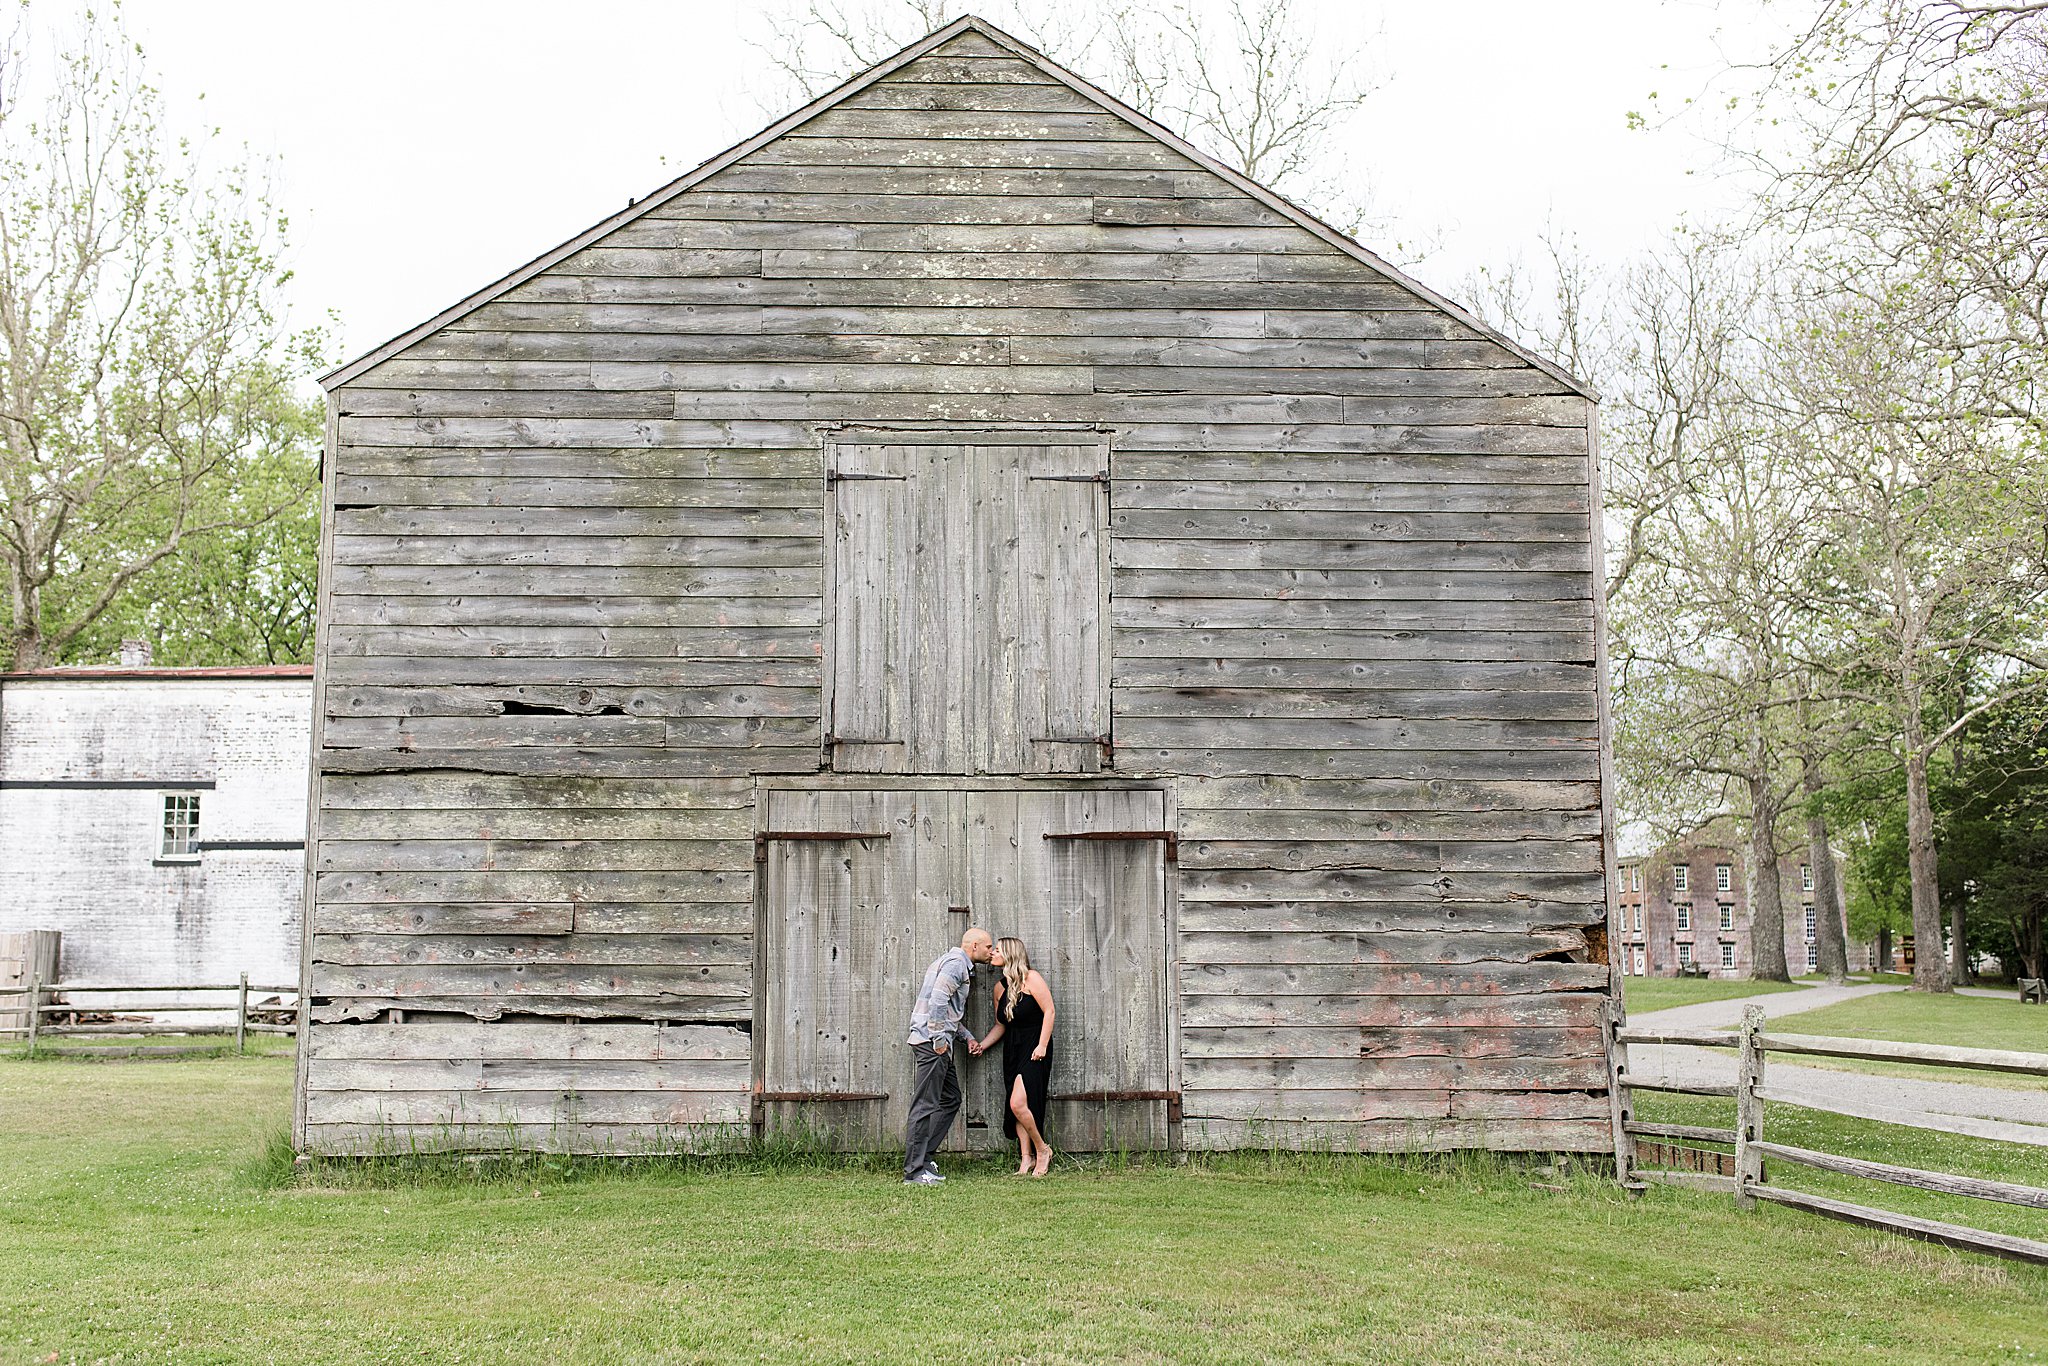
(573, 611)
(511, 1040)
(1382, 917)
(998, 153)
(572, 699)
(1400, 1135)
(474, 950)
(853, 233)
(544, 521)
(1352, 495)
(1380, 885)
(1243, 524)
(1353, 703)
(1350, 584)
(462, 792)
(1377, 798)
(499, 853)
(599, 463)
(1578, 1010)
(1515, 855)
(1344, 614)
(1400, 678)
(510, 490)
(681, 552)
(551, 762)
(1218, 552)
(1371, 979)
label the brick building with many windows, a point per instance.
(1686, 908)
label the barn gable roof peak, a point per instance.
(966, 23)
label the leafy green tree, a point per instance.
(150, 413)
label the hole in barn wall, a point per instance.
(513, 708)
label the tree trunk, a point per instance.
(1930, 965)
(1766, 901)
(1958, 948)
(1831, 931)
(1884, 950)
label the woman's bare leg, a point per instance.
(1028, 1135)
(1036, 1153)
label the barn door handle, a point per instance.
(959, 910)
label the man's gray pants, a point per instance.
(934, 1102)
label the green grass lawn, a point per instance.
(1645, 994)
(152, 1215)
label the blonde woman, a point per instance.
(1024, 1027)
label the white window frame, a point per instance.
(1724, 877)
(1681, 876)
(1727, 954)
(1805, 877)
(1812, 958)
(1684, 912)
(178, 814)
(1639, 917)
(1812, 922)
(1727, 915)
(1685, 955)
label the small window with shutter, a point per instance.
(967, 603)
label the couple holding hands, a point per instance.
(1024, 1028)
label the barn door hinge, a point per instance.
(1172, 1099)
(761, 839)
(1170, 838)
(841, 476)
(1099, 477)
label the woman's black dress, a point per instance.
(1020, 1037)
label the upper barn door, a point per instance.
(968, 596)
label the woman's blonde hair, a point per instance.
(1016, 971)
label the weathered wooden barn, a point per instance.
(962, 501)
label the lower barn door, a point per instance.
(1092, 914)
(849, 923)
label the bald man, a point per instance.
(935, 1022)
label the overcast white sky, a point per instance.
(428, 146)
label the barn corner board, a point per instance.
(962, 501)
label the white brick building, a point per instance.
(157, 818)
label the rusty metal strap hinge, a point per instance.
(1101, 477)
(1170, 838)
(761, 840)
(1172, 1099)
(842, 476)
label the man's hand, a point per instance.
(974, 1048)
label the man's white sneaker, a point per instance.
(924, 1179)
(932, 1169)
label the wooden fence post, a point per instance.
(35, 1002)
(242, 1017)
(1621, 1104)
(1749, 1109)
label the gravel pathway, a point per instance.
(1710, 1066)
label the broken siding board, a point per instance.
(1352, 703)
(571, 699)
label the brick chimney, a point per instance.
(134, 654)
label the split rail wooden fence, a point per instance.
(81, 997)
(1749, 1182)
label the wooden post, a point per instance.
(1621, 1103)
(35, 1002)
(242, 1017)
(1749, 1109)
